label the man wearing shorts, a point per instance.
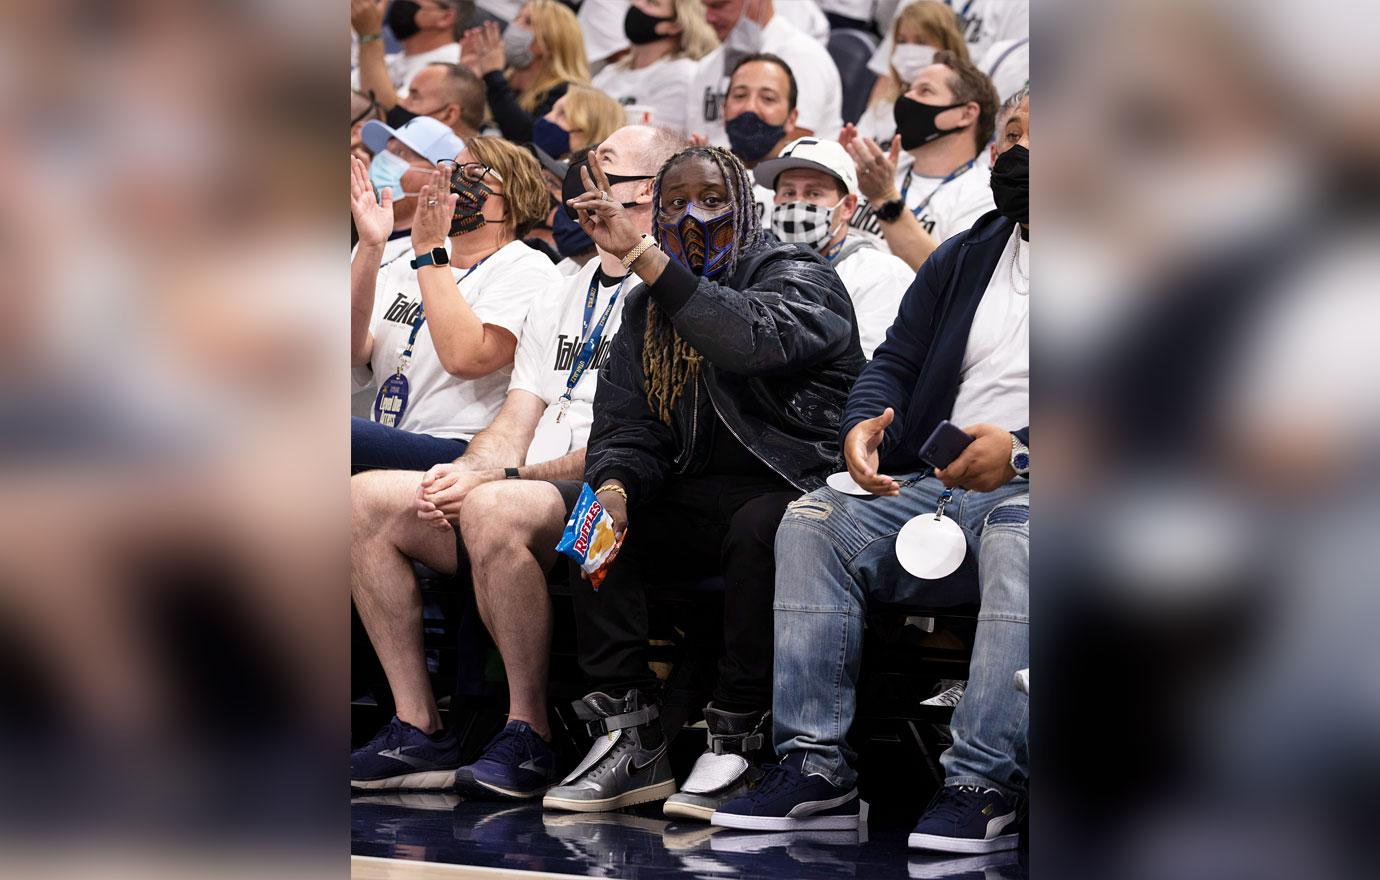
(502, 505)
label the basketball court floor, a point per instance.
(438, 835)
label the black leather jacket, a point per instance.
(780, 347)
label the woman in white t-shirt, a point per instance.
(439, 332)
(653, 79)
(920, 30)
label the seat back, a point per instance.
(852, 50)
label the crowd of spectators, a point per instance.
(648, 247)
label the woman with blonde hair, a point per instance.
(919, 30)
(528, 66)
(653, 79)
(439, 332)
(583, 117)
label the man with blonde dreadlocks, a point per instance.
(718, 406)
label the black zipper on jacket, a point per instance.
(746, 446)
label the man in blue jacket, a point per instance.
(959, 350)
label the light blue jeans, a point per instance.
(834, 552)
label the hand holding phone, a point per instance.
(945, 444)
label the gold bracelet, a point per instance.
(642, 246)
(611, 487)
(369, 38)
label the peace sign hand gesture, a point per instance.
(601, 216)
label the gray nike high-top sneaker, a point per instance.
(727, 768)
(628, 762)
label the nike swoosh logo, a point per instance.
(397, 755)
(633, 769)
(531, 764)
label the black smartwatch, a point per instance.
(511, 474)
(890, 212)
(437, 257)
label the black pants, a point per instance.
(697, 528)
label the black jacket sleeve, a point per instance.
(511, 119)
(890, 377)
(792, 314)
(627, 442)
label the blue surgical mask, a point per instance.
(387, 170)
(553, 139)
(570, 238)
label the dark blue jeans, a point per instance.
(375, 447)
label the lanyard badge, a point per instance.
(932, 546)
(391, 401)
(592, 337)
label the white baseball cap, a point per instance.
(430, 138)
(810, 152)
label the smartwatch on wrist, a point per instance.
(435, 257)
(890, 212)
(511, 473)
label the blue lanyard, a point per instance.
(920, 208)
(964, 14)
(421, 319)
(592, 337)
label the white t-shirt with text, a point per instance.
(501, 290)
(551, 340)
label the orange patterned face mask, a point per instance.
(699, 243)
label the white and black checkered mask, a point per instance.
(803, 223)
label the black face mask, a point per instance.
(915, 122)
(1011, 184)
(750, 137)
(640, 28)
(402, 19)
(573, 187)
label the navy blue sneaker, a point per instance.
(966, 819)
(786, 799)
(401, 756)
(516, 764)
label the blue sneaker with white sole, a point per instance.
(516, 765)
(402, 757)
(786, 799)
(966, 819)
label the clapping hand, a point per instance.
(481, 49)
(435, 208)
(373, 217)
(876, 169)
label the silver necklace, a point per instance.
(1016, 275)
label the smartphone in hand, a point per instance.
(945, 444)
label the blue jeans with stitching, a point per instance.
(834, 553)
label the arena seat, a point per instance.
(852, 50)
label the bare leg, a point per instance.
(385, 536)
(511, 530)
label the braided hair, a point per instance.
(669, 363)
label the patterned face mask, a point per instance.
(469, 208)
(804, 223)
(699, 242)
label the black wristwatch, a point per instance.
(890, 212)
(511, 473)
(437, 257)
